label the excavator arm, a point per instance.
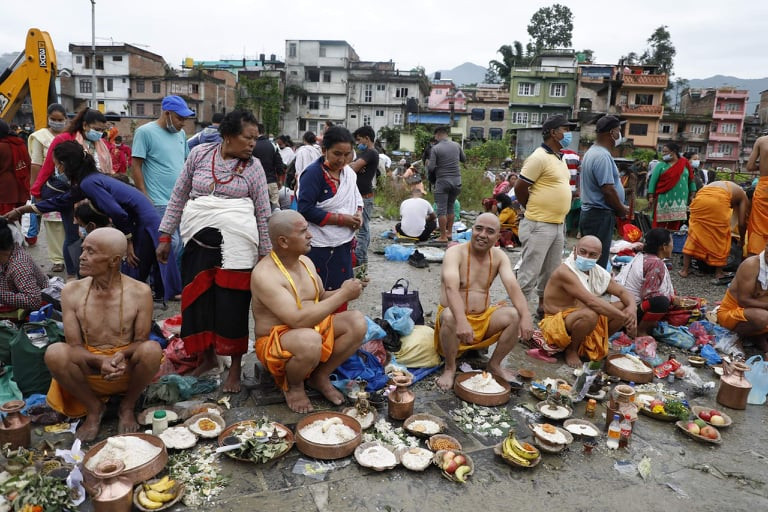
(33, 73)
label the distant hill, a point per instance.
(466, 73)
(754, 85)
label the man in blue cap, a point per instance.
(159, 151)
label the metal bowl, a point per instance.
(486, 399)
(135, 475)
(327, 451)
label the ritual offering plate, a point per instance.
(327, 435)
(261, 440)
(482, 388)
(365, 421)
(697, 361)
(515, 461)
(538, 388)
(443, 442)
(206, 425)
(424, 425)
(710, 436)
(144, 456)
(200, 409)
(553, 411)
(713, 417)
(145, 416)
(662, 410)
(178, 438)
(415, 458)
(455, 466)
(526, 374)
(550, 438)
(628, 368)
(582, 428)
(147, 496)
(377, 456)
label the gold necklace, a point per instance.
(85, 310)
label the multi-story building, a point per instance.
(762, 108)
(544, 89)
(727, 107)
(487, 112)
(316, 74)
(752, 130)
(641, 102)
(205, 91)
(689, 131)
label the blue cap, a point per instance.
(178, 105)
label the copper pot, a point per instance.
(113, 492)
(734, 387)
(401, 400)
(15, 428)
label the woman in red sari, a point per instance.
(670, 189)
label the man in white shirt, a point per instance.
(418, 219)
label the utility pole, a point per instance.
(93, 53)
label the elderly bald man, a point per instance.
(577, 320)
(107, 318)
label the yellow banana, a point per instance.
(461, 472)
(162, 497)
(522, 452)
(163, 484)
(147, 503)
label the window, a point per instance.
(528, 89)
(86, 86)
(733, 107)
(139, 85)
(195, 88)
(323, 49)
(156, 109)
(397, 119)
(99, 84)
(692, 149)
(312, 75)
(696, 128)
(303, 101)
(476, 132)
(87, 62)
(78, 59)
(155, 87)
(728, 127)
(726, 149)
(99, 62)
(314, 102)
(366, 120)
(381, 87)
(495, 133)
(110, 84)
(643, 99)
(497, 114)
(542, 117)
(302, 124)
(326, 75)
(326, 102)
(117, 58)
(379, 113)
(558, 90)
(292, 53)
(368, 94)
(139, 109)
(477, 114)
(638, 129)
(520, 117)
(401, 92)
(666, 128)
(535, 117)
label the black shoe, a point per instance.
(418, 260)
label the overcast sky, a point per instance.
(711, 37)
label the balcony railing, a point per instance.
(645, 80)
(641, 110)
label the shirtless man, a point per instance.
(745, 306)
(576, 318)
(298, 335)
(465, 318)
(107, 317)
(758, 216)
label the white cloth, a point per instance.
(287, 155)
(413, 216)
(762, 275)
(596, 281)
(234, 218)
(347, 200)
(304, 156)
(632, 277)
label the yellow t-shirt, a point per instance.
(549, 197)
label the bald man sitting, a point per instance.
(107, 317)
(299, 336)
(466, 320)
(577, 320)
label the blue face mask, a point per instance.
(666, 158)
(567, 138)
(695, 163)
(362, 147)
(93, 135)
(585, 264)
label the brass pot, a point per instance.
(401, 400)
(113, 492)
(734, 387)
(15, 428)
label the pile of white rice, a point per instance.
(376, 457)
(482, 384)
(424, 427)
(336, 433)
(132, 450)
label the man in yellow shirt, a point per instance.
(544, 190)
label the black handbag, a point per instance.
(400, 295)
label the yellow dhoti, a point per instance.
(709, 227)
(594, 346)
(730, 313)
(479, 323)
(758, 218)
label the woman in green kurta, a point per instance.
(670, 189)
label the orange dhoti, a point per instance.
(758, 218)
(557, 338)
(479, 323)
(730, 314)
(274, 358)
(64, 402)
(709, 227)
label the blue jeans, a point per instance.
(177, 247)
(364, 234)
(34, 225)
(71, 231)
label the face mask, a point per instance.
(619, 141)
(566, 140)
(695, 163)
(362, 147)
(83, 232)
(93, 135)
(666, 158)
(585, 264)
(56, 126)
(169, 125)
(499, 206)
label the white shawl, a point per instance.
(234, 218)
(596, 281)
(346, 200)
(632, 277)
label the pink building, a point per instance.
(444, 92)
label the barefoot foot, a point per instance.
(505, 374)
(297, 400)
(232, 384)
(90, 427)
(445, 381)
(126, 423)
(324, 386)
(682, 273)
(572, 359)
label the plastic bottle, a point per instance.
(159, 422)
(625, 431)
(591, 407)
(455, 233)
(614, 433)
(632, 397)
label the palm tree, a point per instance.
(511, 56)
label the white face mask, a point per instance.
(619, 141)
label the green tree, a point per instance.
(511, 56)
(262, 96)
(391, 137)
(661, 52)
(589, 55)
(551, 27)
(491, 77)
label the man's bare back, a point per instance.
(558, 295)
(758, 159)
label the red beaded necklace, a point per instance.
(238, 170)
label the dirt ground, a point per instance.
(685, 475)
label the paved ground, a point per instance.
(685, 475)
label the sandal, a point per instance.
(541, 354)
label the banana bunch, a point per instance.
(513, 450)
(154, 496)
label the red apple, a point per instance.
(450, 466)
(705, 415)
(709, 432)
(693, 428)
(715, 412)
(448, 456)
(460, 460)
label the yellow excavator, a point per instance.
(33, 74)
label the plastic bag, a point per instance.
(9, 390)
(677, 336)
(400, 320)
(645, 346)
(758, 377)
(374, 332)
(396, 252)
(710, 355)
(728, 344)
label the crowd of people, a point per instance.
(204, 222)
